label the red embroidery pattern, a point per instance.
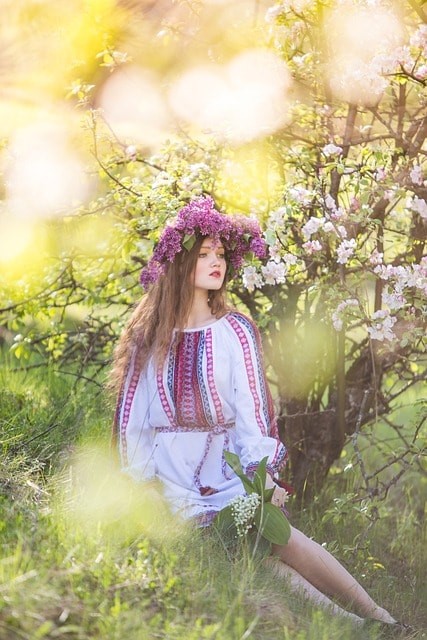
(162, 395)
(128, 399)
(250, 372)
(210, 376)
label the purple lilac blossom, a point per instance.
(239, 234)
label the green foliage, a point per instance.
(85, 553)
(268, 519)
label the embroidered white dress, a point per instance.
(211, 395)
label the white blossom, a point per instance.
(337, 319)
(274, 272)
(274, 252)
(345, 250)
(394, 300)
(131, 151)
(329, 227)
(163, 179)
(273, 12)
(276, 217)
(330, 202)
(342, 231)
(312, 226)
(243, 509)
(251, 278)
(301, 195)
(331, 150)
(416, 174)
(376, 257)
(421, 72)
(381, 174)
(311, 246)
(289, 259)
(381, 329)
(419, 38)
(419, 206)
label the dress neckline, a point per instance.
(205, 326)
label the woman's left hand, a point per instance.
(279, 497)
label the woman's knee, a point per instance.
(296, 544)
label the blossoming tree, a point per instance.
(329, 134)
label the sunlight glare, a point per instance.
(15, 237)
(241, 100)
(44, 175)
(133, 106)
(359, 38)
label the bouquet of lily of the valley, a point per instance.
(254, 510)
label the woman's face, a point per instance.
(211, 265)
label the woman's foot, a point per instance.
(394, 629)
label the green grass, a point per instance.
(85, 555)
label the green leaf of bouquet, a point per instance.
(273, 525)
(268, 494)
(188, 241)
(224, 520)
(234, 461)
(260, 476)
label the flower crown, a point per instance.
(240, 235)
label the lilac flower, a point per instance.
(239, 234)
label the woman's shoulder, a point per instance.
(242, 326)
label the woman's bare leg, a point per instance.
(323, 571)
(300, 584)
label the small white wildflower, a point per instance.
(243, 509)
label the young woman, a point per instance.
(192, 385)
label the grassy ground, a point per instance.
(86, 556)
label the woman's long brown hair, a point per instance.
(165, 307)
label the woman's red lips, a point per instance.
(215, 274)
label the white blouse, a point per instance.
(211, 395)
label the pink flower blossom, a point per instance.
(312, 246)
(421, 72)
(419, 206)
(416, 174)
(380, 174)
(274, 272)
(376, 257)
(331, 150)
(394, 300)
(381, 328)
(312, 226)
(345, 250)
(251, 278)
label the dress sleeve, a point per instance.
(256, 423)
(136, 437)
